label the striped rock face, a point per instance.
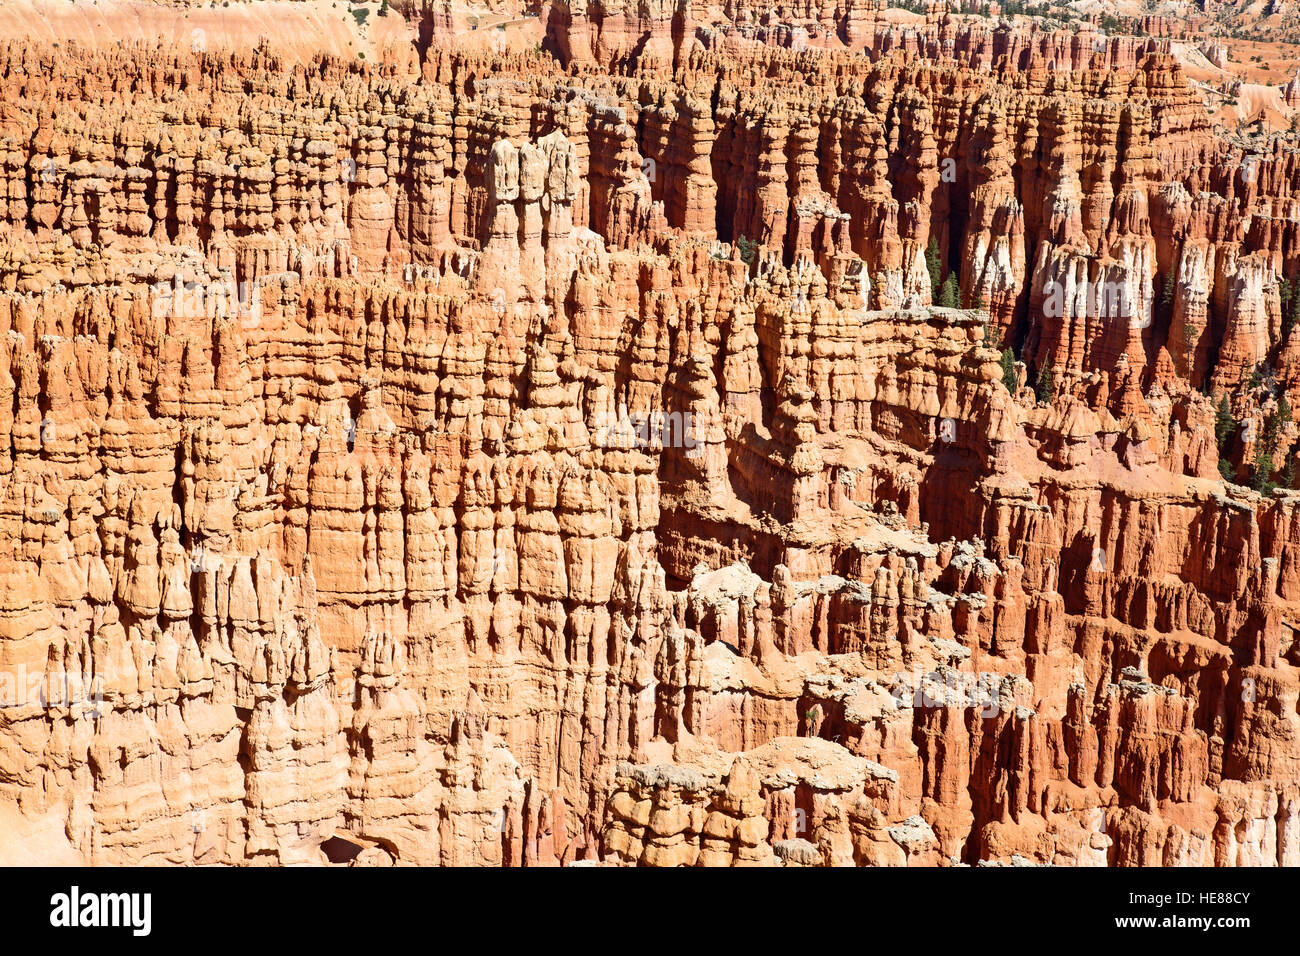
(642, 436)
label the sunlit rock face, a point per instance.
(561, 449)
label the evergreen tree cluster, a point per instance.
(1290, 289)
(1264, 465)
(948, 293)
(943, 291)
(934, 268)
(1262, 477)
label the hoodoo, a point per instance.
(658, 433)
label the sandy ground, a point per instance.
(1276, 65)
(1260, 95)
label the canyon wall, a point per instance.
(503, 459)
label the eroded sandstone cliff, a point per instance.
(552, 455)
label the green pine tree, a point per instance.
(948, 293)
(1261, 478)
(1044, 389)
(1167, 293)
(989, 331)
(1271, 426)
(934, 268)
(1009, 377)
(1224, 424)
(1290, 306)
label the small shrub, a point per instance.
(748, 249)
